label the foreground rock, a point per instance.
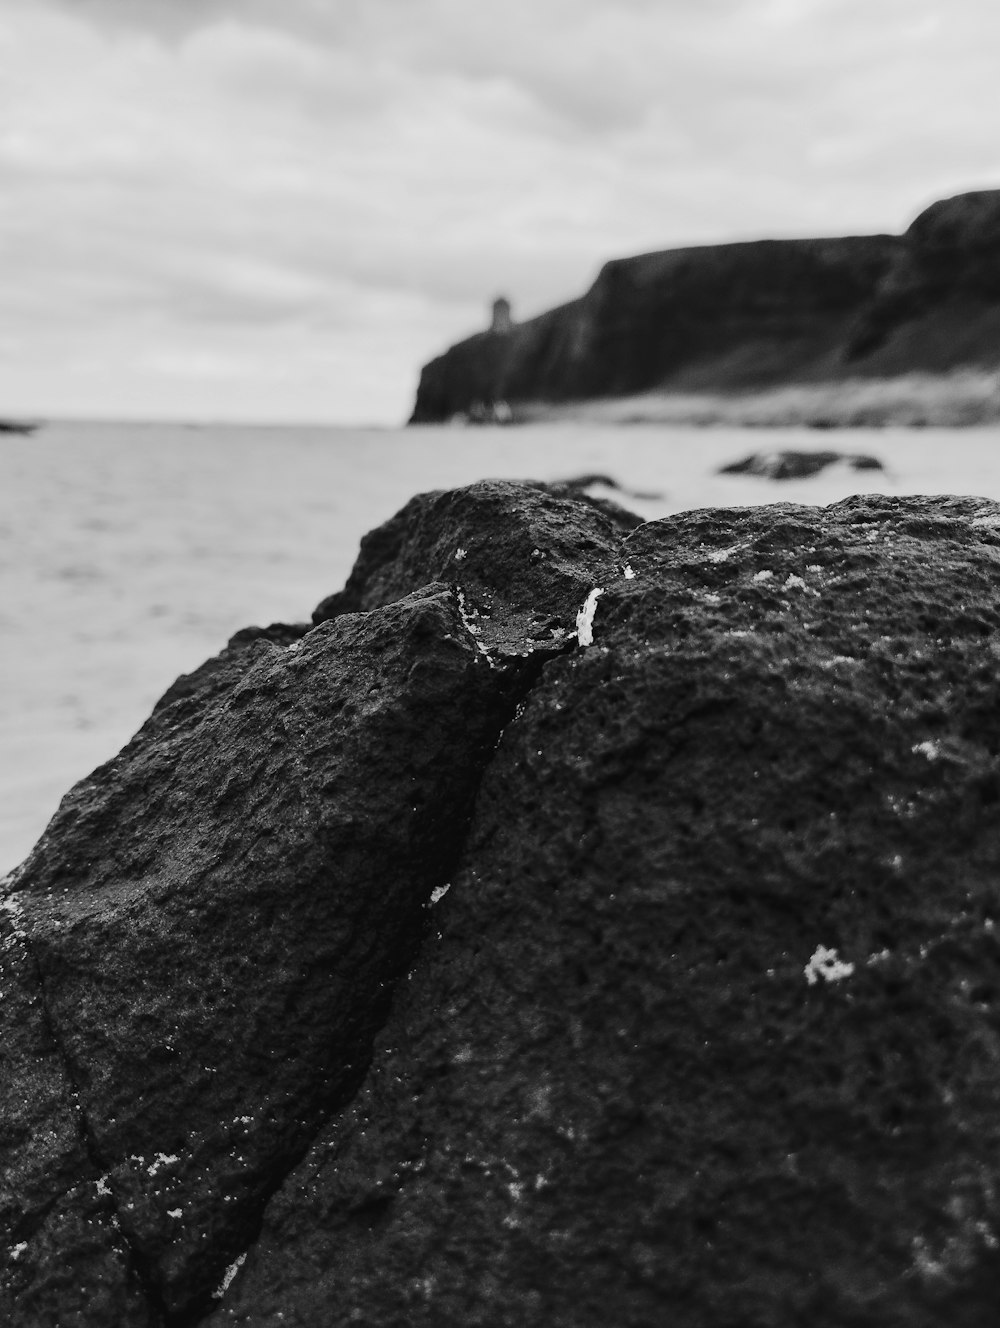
(704, 1025)
(218, 914)
(739, 318)
(207, 936)
(62, 1258)
(708, 1030)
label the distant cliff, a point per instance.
(749, 316)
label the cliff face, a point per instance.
(441, 963)
(938, 305)
(743, 316)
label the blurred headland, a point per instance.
(860, 330)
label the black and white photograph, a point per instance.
(499, 664)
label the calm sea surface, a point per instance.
(128, 553)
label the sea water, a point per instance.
(129, 553)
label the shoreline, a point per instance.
(964, 399)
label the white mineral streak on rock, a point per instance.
(825, 964)
(439, 892)
(723, 555)
(472, 629)
(929, 749)
(627, 573)
(466, 616)
(585, 618)
(763, 576)
(796, 583)
(10, 904)
(228, 1276)
(162, 1160)
(460, 554)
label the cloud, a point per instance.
(166, 19)
(210, 183)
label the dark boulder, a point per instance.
(790, 465)
(207, 935)
(700, 1020)
(707, 1031)
(218, 915)
(63, 1262)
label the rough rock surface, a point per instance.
(742, 316)
(523, 557)
(63, 1261)
(610, 1091)
(705, 1029)
(217, 915)
(208, 933)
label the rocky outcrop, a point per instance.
(217, 915)
(938, 305)
(207, 936)
(741, 317)
(455, 972)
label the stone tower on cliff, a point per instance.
(502, 322)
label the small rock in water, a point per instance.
(792, 465)
(581, 484)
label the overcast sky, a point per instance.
(278, 209)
